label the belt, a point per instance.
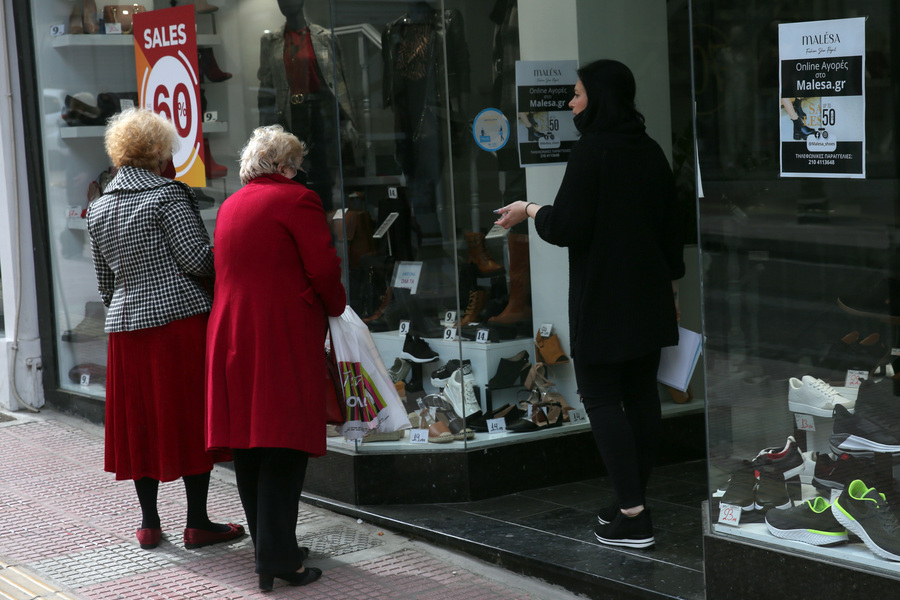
(303, 98)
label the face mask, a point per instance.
(300, 177)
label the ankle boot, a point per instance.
(76, 19)
(477, 299)
(801, 131)
(208, 66)
(90, 20)
(548, 350)
(203, 7)
(519, 307)
(478, 254)
(213, 169)
(798, 107)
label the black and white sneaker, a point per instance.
(865, 512)
(630, 532)
(863, 433)
(812, 523)
(417, 350)
(608, 513)
(440, 376)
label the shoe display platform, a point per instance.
(477, 471)
(549, 533)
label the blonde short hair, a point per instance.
(138, 137)
(267, 149)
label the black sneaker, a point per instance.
(631, 532)
(440, 376)
(862, 433)
(772, 491)
(865, 512)
(836, 473)
(812, 523)
(417, 350)
(741, 490)
(606, 514)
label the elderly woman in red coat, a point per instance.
(278, 278)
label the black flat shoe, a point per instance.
(308, 575)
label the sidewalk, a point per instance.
(67, 533)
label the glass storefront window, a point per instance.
(385, 94)
(798, 283)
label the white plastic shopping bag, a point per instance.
(372, 402)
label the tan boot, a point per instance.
(549, 350)
(203, 7)
(519, 307)
(478, 254)
(91, 19)
(76, 19)
(477, 298)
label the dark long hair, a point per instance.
(610, 90)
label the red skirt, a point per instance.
(155, 402)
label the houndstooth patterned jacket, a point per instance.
(150, 250)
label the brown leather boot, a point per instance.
(91, 20)
(477, 298)
(478, 254)
(76, 19)
(519, 307)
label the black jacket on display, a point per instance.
(616, 213)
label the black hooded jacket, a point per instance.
(617, 214)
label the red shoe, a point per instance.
(197, 538)
(149, 538)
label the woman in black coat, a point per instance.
(616, 213)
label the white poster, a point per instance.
(546, 132)
(822, 98)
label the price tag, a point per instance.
(73, 211)
(418, 436)
(546, 330)
(404, 328)
(56, 30)
(449, 333)
(482, 336)
(577, 415)
(338, 214)
(392, 192)
(126, 103)
(895, 351)
(495, 232)
(382, 229)
(804, 422)
(450, 316)
(113, 27)
(85, 379)
(729, 515)
(210, 115)
(854, 379)
(496, 425)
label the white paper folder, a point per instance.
(677, 363)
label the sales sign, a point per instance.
(165, 48)
(823, 100)
(546, 132)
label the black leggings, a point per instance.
(622, 403)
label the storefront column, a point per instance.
(20, 352)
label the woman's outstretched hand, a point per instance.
(512, 214)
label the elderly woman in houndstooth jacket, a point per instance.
(151, 255)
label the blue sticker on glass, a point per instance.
(490, 130)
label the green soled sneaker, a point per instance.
(865, 512)
(811, 522)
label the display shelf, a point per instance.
(125, 39)
(96, 131)
(84, 131)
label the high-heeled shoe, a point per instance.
(510, 370)
(539, 419)
(510, 413)
(213, 169)
(304, 577)
(208, 66)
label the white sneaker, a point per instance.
(461, 394)
(812, 396)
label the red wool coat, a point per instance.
(277, 277)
